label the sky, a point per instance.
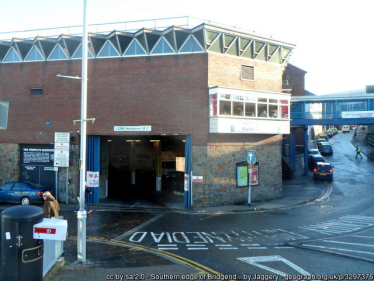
(334, 38)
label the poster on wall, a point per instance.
(254, 176)
(242, 176)
(93, 179)
(36, 165)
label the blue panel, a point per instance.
(191, 46)
(162, 47)
(93, 164)
(58, 54)
(34, 55)
(135, 49)
(108, 51)
(12, 56)
(187, 194)
(78, 53)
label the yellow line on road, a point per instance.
(193, 264)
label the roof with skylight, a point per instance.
(172, 40)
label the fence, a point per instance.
(370, 140)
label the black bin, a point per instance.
(21, 255)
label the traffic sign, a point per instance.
(251, 157)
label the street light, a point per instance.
(81, 214)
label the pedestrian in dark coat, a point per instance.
(51, 207)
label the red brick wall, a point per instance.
(168, 92)
(225, 71)
(296, 79)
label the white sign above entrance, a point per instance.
(132, 128)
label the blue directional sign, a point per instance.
(251, 157)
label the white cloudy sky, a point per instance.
(334, 38)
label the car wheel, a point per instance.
(25, 201)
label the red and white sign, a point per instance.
(254, 175)
(51, 229)
(45, 230)
(93, 179)
(62, 144)
(197, 179)
(186, 182)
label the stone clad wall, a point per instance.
(73, 188)
(9, 162)
(217, 164)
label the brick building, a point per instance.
(158, 97)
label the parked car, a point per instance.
(323, 170)
(330, 133)
(324, 136)
(335, 130)
(314, 159)
(24, 193)
(325, 148)
(321, 140)
(313, 151)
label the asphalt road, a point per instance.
(334, 236)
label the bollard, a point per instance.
(21, 254)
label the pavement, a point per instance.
(109, 258)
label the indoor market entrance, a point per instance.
(143, 168)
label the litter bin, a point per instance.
(21, 255)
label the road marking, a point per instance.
(342, 225)
(255, 261)
(347, 243)
(338, 249)
(196, 247)
(358, 236)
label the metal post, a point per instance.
(67, 186)
(251, 160)
(250, 186)
(81, 214)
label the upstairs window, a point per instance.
(36, 91)
(247, 73)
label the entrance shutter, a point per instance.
(187, 172)
(93, 164)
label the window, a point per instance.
(7, 186)
(4, 109)
(249, 105)
(36, 91)
(247, 73)
(225, 107)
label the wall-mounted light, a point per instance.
(133, 140)
(154, 140)
(109, 140)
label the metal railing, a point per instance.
(129, 26)
(370, 140)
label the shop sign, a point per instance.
(132, 128)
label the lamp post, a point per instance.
(81, 214)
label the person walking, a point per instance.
(358, 152)
(51, 207)
(88, 210)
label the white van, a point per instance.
(346, 128)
